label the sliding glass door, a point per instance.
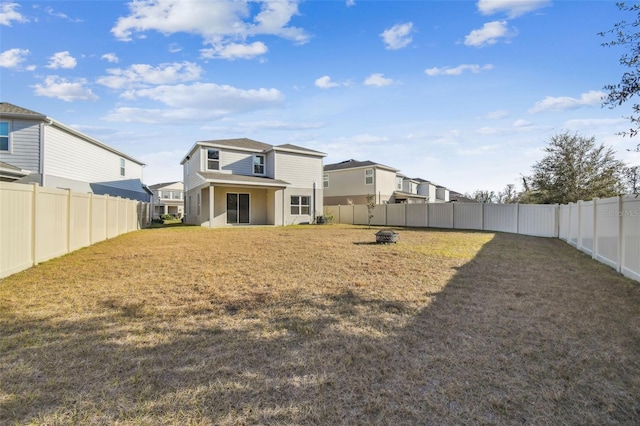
(237, 208)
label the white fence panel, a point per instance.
(332, 212)
(587, 225)
(38, 224)
(16, 227)
(379, 215)
(574, 223)
(468, 216)
(79, 220)
(52, 209)
(538, 220)
(347, 214)
(501, 217)
(360, 215)
(607, 230)
(396, 214)
(563, 225)
(417, 215)
(630, 216)
(440, 215)
(98, 218)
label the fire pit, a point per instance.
(386, 237)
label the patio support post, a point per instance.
(210, 205)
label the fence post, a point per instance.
(620, 234)
(69, 221)
(594, 247)
(517, 218)
(579, 236)
(34, 225)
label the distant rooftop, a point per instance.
(352, 164)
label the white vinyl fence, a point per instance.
(607, 229)
(38, 224)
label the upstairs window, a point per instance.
(368, 176)
(4, 136)
(213, 159)
(258, 164)
(398, 183)
(325, 180)
(122, 171)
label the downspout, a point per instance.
(42, 131)
(313, 219)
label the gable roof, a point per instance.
(13, 111)
(162, 185)
(246, 144)
(8, 109)
(353, 164)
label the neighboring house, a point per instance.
(168, 198)
(456, 197)
(245, 182)
(351, 181)
(37, 148)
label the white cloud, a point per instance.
(61, 88)
(62, 60)
(235, 50)
(521, 123)
(562, 103)
(457, 70)
(364, 138)
(325, 82)
(351, 3)
(143, 74)
(487, 131)
(220, 26)
(12, 58)
(9, 14)
(398, 36)
(513, 8)
(110, 57)
(377, 79)
(195, 103)
(174, 48)
(489, 34)
(49, 11)
(483, 149)
(497, 115)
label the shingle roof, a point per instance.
(161, 185)
(352, 164)
(242, 179)
(10, 109)
(241, 143)
(299, 148)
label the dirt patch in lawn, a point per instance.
(316, 325)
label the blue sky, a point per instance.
(463, 93)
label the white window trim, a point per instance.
(367, 176)
(123, 170)
(299, 206)
(264, 164)
(325, 180)
(206, 159)
(9, 144)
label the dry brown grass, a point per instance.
(316, 325)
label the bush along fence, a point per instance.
(38, 224)
(607, 229)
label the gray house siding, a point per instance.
(24, 145)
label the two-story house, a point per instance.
(245, 182)
(37, 148)
(351, 181)
(168, 198)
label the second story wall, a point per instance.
(24, 145)
(70, 157)
(301, 171)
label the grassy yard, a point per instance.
(317, 325)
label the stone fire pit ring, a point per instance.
(386, 236)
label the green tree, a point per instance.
(573, 169)
(626, 35)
